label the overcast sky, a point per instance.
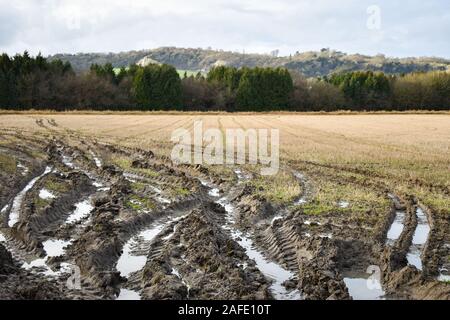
(395, 28)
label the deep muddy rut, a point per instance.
(82, 219)
(272, 270)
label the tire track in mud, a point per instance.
(11, 215)
(195, 259)
(306, 186)
(268, 254)
(410, 265)
(286, 240)
(125, 228)
(305, 246)
(419, 240)
(280, 241)
(156, 247)
(136, 248)
(135, 251)
(176, 269)
(14, 212)
(53, 246)
(409, 231)
(148, 234)
(271, 270)
(277, 274)
(367, 283)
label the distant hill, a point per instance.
(311, 64)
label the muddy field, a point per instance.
(92, 207)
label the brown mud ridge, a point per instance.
(76, 223)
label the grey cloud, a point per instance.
(415, 28)
(10, 23)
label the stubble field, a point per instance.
(99, 193)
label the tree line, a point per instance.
(28, 82)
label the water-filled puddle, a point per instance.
(68, 162)
(23, 168)
(100, 187)
(160, 197)
(419, 239)
(97, 160)
(444, 275)
(52, 248)
(177, 273)
(55, 247)
(213, 191)
(126, 294)
(302, 179)
(343, 204)
(241, 176)
(46, 194)
(364, 287)
(175, 227)
(308, 222)
(275, 219)
(129, 263)
(39, 263)
(17, 202)
(5, 208)
(82, 210)
(396, 228)
(133, 178)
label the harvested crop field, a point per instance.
(92, 207)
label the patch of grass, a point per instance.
(41, 203)
(313, 209)
(122, 162)
(358, 197)
(7, 164)
(53, 185)
(146, 172)
(138, 186)
(179, 191)
(38, 155)
(226, 173)
(56, 186)
(281, 188)
(435, 201)
(339, 192)
(126, 164)
(138, 203)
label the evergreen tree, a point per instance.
(106, 72)
(8, 92)
(264, 89)
(157, 87)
